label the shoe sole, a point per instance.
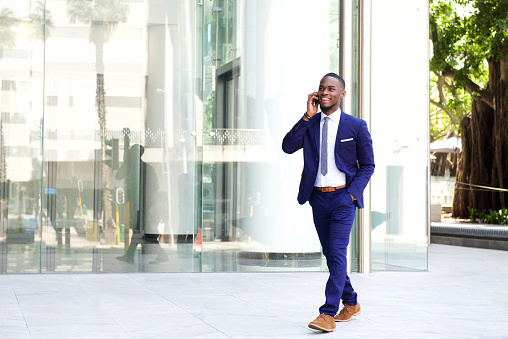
(343, 321)
(314, 327)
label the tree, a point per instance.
(39, 18)
(7, 34)
(449, 105)
(7, 40)
(470, 53)
(40, 21)
(103, 16)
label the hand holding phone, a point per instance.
(312, 104)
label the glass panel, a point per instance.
(354, 93)
(253, 77)
(21, 106)
(334, 36)
(399, 186)
(120, 174)
(144, 136)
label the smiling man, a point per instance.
(338, 164)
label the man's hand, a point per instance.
(312, 104)
(353, 198)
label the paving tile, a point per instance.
(245, 324)
(100, 330)
(462, 295)
(168, 325)
(13, 327)
(226, 305)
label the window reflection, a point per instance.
(144, 136)
(143, 215)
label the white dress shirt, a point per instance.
(334, 177)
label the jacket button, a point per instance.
(317, 159)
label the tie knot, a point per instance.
(327, 118)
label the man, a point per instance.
(338, 164)
(141, 187)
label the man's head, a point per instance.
(331, 91)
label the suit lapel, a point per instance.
(341, 132)
(316, 130)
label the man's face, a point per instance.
(330, 93)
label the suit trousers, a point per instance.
(334, 213)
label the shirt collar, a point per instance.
(335, 116)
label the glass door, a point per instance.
(223, 174)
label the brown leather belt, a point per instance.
(328, 189)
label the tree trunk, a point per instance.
(443, 162)
(500, 133)
(105, 170)
(3, 183)
(461, 195)
(484, 157)
(439, 165)
(482, 118)
(105, 201)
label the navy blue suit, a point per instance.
(334, 212)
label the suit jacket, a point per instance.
(353, 153)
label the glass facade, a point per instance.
(145, 136)
(400, 130)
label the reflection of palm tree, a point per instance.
(103, 16)
(7, 35)
(40, 22)
(3, 177)
(7, 39)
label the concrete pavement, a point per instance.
(463, 295)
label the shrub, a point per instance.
(498, 217)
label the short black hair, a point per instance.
(336, 76)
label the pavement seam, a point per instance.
(266, 311)
(97, 302)
(180, 307)
(19, 305)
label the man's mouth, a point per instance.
(325, 99)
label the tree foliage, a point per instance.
(7, 34)
(449, 105)
(470, 60)
(466, 34)
(7, 40)
(100, 13)
(41, 21)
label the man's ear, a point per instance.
(343, 94)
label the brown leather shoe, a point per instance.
(348, 312)
(323, 322)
